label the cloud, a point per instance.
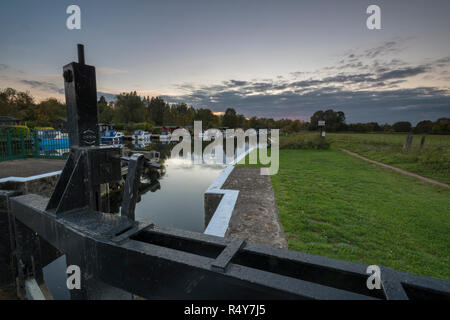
(403, 73)
(43, 85)
(238, 83)
(359, 106)
(110, 71)
(52, 88)
(384, 49)
(4, 67)
(374, 59)
(371, 95)
(444, 62)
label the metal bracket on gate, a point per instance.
(130, 193)
(223, 260)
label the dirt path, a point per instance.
(398, 169)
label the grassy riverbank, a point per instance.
(335, 205)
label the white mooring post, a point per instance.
(322, 128)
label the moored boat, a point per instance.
(112, 137)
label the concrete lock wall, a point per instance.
(41, 186)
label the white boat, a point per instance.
(204, 135)
(199, 135)
(120, 135)
(142, 136)
(165, 135)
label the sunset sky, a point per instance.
(264, 58)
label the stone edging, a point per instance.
(218, 224)
(21, 179)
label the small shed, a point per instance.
(105, 127)
(9, 121)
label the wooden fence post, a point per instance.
(8, 138)
(408, 142)
(22, 143)
(422, 142)
(36, 143)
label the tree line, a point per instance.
(21, 105)
(335, 122)
(130, 111)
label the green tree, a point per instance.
(102, 104)
(206, 116)
(230, 118)
(107, 115)
(129, 108)
(402, 126)
(17, 104)
(156, 107)
(334, 120)
(425, 126)
(441, 126)
(294, 126)
(49, 111)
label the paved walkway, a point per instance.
(29, 167)
(411, 174)
(255, 215)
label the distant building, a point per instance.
(105, 127)
(172, 128)
(9, 121)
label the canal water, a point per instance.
(171, 197)
(178, 202)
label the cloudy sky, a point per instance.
(265, 58)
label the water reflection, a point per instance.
(179, 201)
(173, 195)
(149, 183)
(55, 278)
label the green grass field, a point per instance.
(432, 162)
(335, 205)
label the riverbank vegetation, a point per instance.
(304, 140)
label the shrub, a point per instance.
(129, 128)
(300, 141)
(119, 126)
(442, 126)
(425, 126)
(402, 126)
(435, 158)
(16, 130)
(146, 126)
(31, 124)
